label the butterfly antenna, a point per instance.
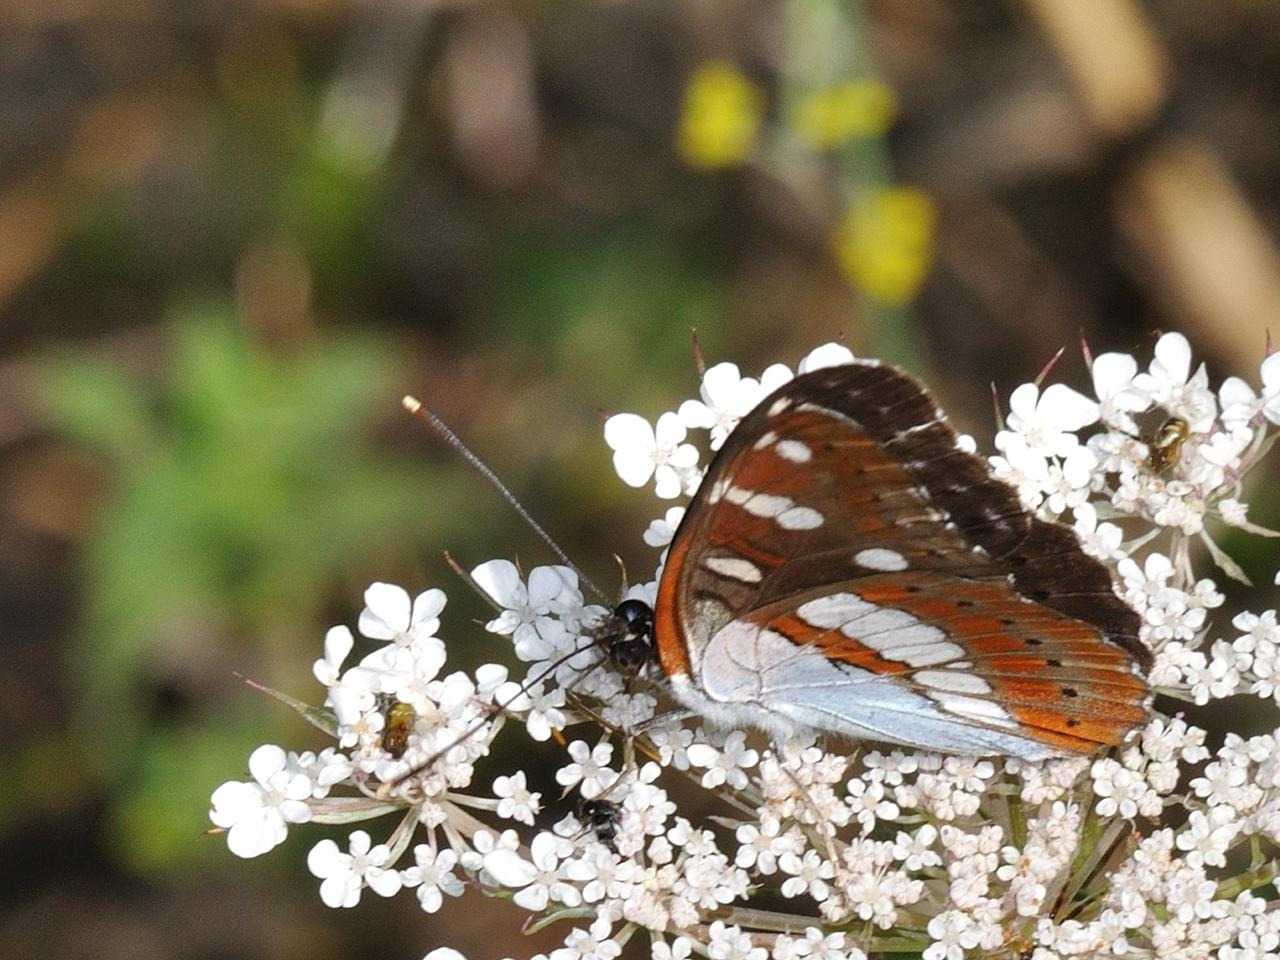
(443, 431)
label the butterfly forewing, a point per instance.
(846, 566)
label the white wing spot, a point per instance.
(894, 634)
(794, 450)
(735, 568)
(718, 490)
(929, 654)
(767, 505)
(779, 405)
(951, 682)
(800, 518)
(880, 558)
(765, 439)
(986, 710)
(834, 610)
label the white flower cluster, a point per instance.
(1163, 848)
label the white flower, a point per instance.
(515, 801)
(1270, 373)
(827, 355)
(414, 647)
(761, 845)
(534, 616)
(1233, 512)
(726, 765)
(344, 875)
(539, 878)
(593, 944)
(1022, 467)
(1047, 420)
(324, 770)
(1113, 375)
(544, 710)
(810, 874)
(1102, 540)
(1169, 383)
(337, 644)
(355, 707)
(731, 943)
(660, 532)
(590, 766)
(915, 850)
(1206, 837)
(953, 933)
(432, 876)
(1145, 586)
(388, 614)
(681, 948)
(256, 815)
(867, 803)
(641, 451)
(1239, 403)
(1069, 480)
(727, 397)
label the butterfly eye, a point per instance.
(633, 611)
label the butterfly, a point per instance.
(846, 567)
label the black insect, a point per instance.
(627, 636)
(601, 817)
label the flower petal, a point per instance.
(501, 580)
(509, 868)
(266, 762)
(1067, 409)
(627, 432)
(1173, 354)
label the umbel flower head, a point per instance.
(1165, 846)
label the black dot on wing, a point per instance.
(1072, 722)
(1033, 641)
(969, 603)
(1070, 692)
(1052, 663)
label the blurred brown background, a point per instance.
(232, 234)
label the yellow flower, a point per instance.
(885, 243)
(720, 121)
(856, 108)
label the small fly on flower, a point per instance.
(400, 718)
(1165, 445)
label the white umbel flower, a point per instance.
(257, 815)
(642, 450)
(344, 875)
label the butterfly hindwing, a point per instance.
(968, 625)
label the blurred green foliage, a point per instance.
(242, 487)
